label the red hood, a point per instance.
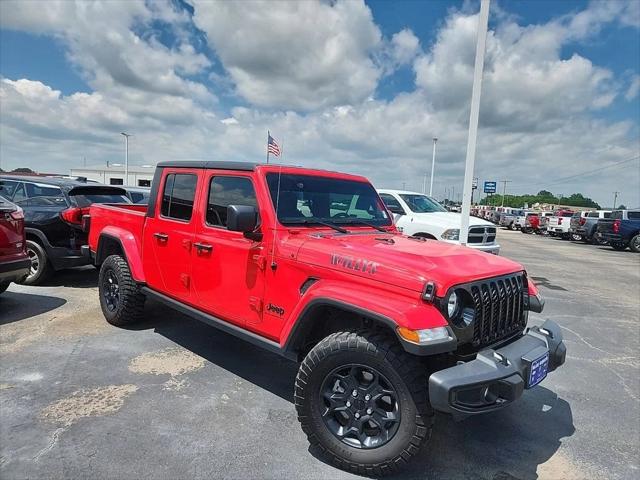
(404, 262)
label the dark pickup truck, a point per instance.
(621, 229)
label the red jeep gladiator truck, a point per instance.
(308, 264)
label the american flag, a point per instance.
(272, 146)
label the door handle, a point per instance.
(161, 236)
(203, 247)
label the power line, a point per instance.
(504, 188)
(570, 177)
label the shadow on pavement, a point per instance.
(264, 369)
(82, 277)
(15, 306)
(505, 445)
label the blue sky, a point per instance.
(166, 64)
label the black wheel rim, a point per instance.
(110, 290)
(35, 262)
(359, 406)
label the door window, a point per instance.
(392, 203)
(225, 191)
(178, 195)
(633, 215)
(19, 193)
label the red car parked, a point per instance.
(308, 264)
(14, 262)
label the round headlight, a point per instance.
(452, 304)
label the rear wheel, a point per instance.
(363, 403)
(121, 300)
(634, 244)
(40, 268)
(575, 237)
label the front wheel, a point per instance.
(363, 402)
(121, 300)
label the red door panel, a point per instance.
(228, 269)
(168, 236)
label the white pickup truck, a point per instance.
(418, 215)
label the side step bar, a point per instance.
(220, 324)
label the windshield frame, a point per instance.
(385, 221)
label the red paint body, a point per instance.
(235, 282)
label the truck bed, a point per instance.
(113, 217)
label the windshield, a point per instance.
(421, 203)
(306, 198)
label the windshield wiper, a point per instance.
(326, 224)
(366, 224)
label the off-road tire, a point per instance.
(407, 376)
(634, 244)
(618, 246)
(4, 286)
(39, 257)
(129, 308)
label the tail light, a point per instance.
(73, 216)
(583, 221)
(17, 214)
(616, 226)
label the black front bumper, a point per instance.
(497, 377)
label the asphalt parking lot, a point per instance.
(173, 398)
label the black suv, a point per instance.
(53, 209)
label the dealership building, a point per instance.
(113, 174)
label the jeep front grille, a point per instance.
(499, 308)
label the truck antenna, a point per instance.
(274, 265)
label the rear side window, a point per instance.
(225, 191)
(607, 215)
(177, 197)
(616, 215)
(633, 215)
(593, 215)
(6, 188)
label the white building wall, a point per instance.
(107, 174)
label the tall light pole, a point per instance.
(615, 199)
(433, 165)
(126, 157)
(483, 21)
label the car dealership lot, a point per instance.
(173, 398)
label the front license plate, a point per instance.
(539, 368)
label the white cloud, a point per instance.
(634, 88)
(102, 42)
(298, 55)
(538, 116)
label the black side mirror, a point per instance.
(243, 218)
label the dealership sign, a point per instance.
(490, 187)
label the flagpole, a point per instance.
(281, 151)
(268, 135)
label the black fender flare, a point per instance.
(304, 324)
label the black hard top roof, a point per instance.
(244, 166)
